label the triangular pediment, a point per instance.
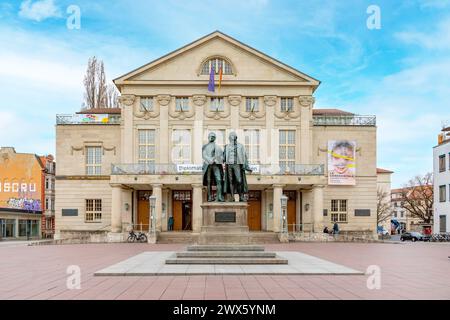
(248, 64)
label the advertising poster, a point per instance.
(341, 162)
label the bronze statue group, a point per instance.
(225, 169)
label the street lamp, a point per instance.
(284, 227)
(152, 222)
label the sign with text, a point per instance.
(189, 168)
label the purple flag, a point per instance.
(211, 80)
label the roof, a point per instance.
(380, 170)
(217, 34)
(331, 112)
(101, 111)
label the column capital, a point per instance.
(278, 185)
(115, 185)
(318, 186)
(127, 99)
(156, 185)
(197, 185)
(306, 101)
(163, 99)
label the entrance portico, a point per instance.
(177, 198)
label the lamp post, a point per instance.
(152, 222)
(284, 227)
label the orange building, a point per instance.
(22, 194)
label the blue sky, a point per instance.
(401, 72)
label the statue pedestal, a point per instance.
(224, 223)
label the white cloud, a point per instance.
(39, 10)
(439, 4)
(438, 39)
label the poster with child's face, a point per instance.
(341, 162)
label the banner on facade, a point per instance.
(95, 118)
(189, 168)
(341, 162)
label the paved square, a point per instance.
(153, 264)
(408, 271)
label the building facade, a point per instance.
(441, 172)
(399, 213)
(48, 203)
(110, 161)
(22, 194)
(384, 198)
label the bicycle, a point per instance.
(139, 237)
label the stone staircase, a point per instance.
(226, 254)
(177, 237)
(186, 237)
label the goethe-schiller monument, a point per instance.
(225, 221)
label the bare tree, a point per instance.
(90, 84)
(417, 197)
(383, 206)
(97, 93)
(112, 96)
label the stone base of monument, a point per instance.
(224, 223)
(224, 239)
(226, 254)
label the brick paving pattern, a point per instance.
(408, 271)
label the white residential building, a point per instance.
(441, 170)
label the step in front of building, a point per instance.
(226, 254)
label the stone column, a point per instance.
(317, 208)
(198, 105)
(197, 213)
(116, 208)
(126, 214)
(127, 101)
(269, 104)
(234, 105)
(306, 105)
(164, 134)
(157, 192)
(277, 193)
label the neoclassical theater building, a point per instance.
(110, 161)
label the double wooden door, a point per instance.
(254, 210)
(291, 209)
(143, 214)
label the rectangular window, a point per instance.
(182, 104)
(7, 228)
(287, 104)
(146, 146)
(338, 210)
(217, 104)
(286, 151)
(146, 104)
(181, 146)
(46, 203)
(251, 104)
(442, 163)
(93, 210)
(46, 184)
(93, 160)
(442, 193)
(251, 143)
(29, 228)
